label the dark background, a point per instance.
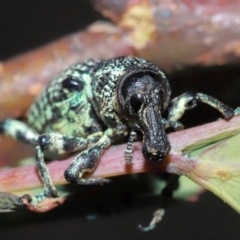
(27, 24)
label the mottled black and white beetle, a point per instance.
(93, 104)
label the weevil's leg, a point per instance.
(226, 111)
(61, 144)
(19, 131)
(49, 189)
(23, 133)
(189, 100)
(237, 111)
(180, 104)
(174, 124)
(128, 151)
(87, 160)
(157, 217)
(172, 184)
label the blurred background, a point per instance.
(25, 25)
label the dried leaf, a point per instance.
(9, 202)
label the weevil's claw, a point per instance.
(157, 217)
(145, 229)
(25, 197)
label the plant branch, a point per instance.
(112, 162)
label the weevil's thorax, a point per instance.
(126, 76)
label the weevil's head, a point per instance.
(143, 95)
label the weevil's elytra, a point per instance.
(94, 104)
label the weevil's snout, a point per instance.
(153, 155)
(155, 141)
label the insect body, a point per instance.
(93, 104)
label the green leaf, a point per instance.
(218, 170)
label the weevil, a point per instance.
(96, 103)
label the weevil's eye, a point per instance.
(135, 103)
(72, 84)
